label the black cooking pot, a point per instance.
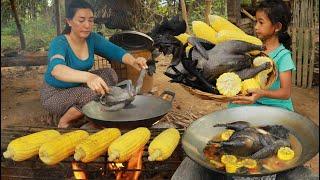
(201, 131)
(144, 111)
(132, 40)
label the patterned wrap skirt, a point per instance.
(58, 100)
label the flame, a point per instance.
(77, 171)
(134, 164)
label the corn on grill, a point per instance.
(34, 168)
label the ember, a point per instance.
(78, 172)
(133, 170)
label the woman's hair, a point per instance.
(71, 11)
(278, 11)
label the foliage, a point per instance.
(27, 10)
(9, 42)
(38, 23)
(38, 34)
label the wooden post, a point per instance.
(66, 6)
(57, 15)
(294, 53)
(311, 65)
(233, 11)
(306, 51)
(16, 18)
(299, 56)
(207, 11)
(184, 14)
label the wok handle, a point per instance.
(167, 92)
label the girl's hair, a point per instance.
(278, 11)
(73, 7)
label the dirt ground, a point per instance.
(20, 103)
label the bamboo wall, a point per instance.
(303, 33)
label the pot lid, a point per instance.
(132, 40)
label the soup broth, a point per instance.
(267, 165)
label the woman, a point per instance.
(68, 83)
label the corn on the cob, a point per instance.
(183, 38)
(262, 59)
(129, 143)
(262, 79)
(52, 152)
(96, 144)
(226, 35)
(254, 53)
(188, 49)
(27, 146)
(248, 84)
(204, 31)
(229, 84)
(219, 23)
(163, 145)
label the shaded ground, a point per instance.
(20, 104)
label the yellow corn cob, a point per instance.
(262, 59)
(129, 143)
(226, 35)
(188, 50)
(27, 146)
(229, 84)
(183, 38)
(52, 152)
(163, 145)
(96, 144)
(204, 31)
(248, 84)
(254, 53)
(219, 23)
(262, 79)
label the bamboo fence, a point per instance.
(303, 33)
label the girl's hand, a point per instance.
(255, 95)
(97, 84)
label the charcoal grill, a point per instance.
(34, 168)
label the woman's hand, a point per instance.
(141, 62)
(138, 63)
(97, 84)
(255, 95)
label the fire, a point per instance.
(134, 166)
(78, 172)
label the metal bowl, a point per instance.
(201, 131)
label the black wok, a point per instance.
(201, 131)
(143, 111)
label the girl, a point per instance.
(272, 21)
(68, 83)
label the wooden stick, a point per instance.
(248, 14)
(181, 124)
(183, 116)
(184, 14)
(207, 11)
(193, 115)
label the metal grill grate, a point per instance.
(35, 169)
